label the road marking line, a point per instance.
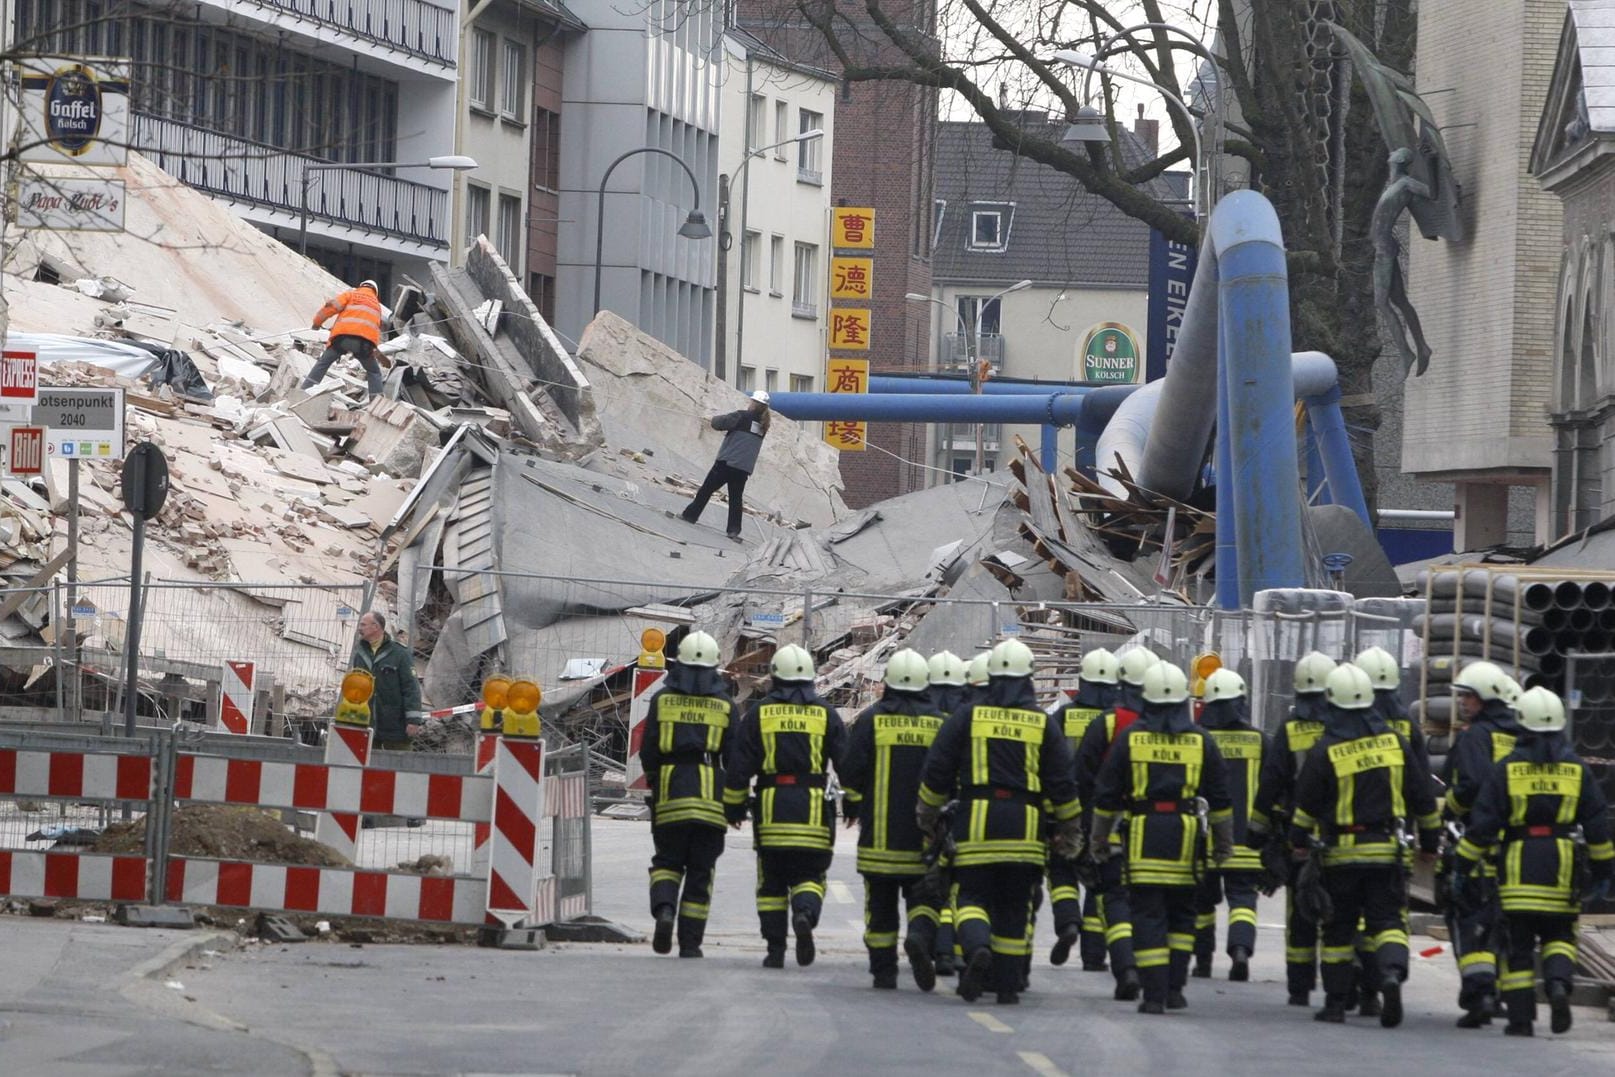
(989, 1022)
(841, 892)
(1041, 1064)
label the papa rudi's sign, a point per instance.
(1109, 353)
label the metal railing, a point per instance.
(958, 349)
(253, 172)
(413, 26)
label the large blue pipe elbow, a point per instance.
(1334, 449)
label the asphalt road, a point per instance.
(619, 1009)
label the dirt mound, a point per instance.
(221, 832)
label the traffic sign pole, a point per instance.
(74, 683)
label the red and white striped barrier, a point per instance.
(482, 762)
(333, 789)
(646, 683)
(345, 745)
(83, 876)
(513, 874)
(334, 891)
(77, 775)
(236, 698)
(449, 712)
(566, 796)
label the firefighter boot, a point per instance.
(1008, 971)
(973, 980)
(1334, 1010)
(1559, 1006)
(1239, 971)
(1127, 985)
(1069, 934)
(802, 925)
(920, 963)
(666, 918)
(1390, 1007)
(883, 966)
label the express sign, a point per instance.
(19, 377)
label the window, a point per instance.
(481, 76)
(782, 123)
(513, 83)
(541, 290)
(805, 288)
(509, 239)
(771, 381)
(810, 152)
(546, 150)
(979, 313)
(751, 250)
(989, 226)
(756, 121)
(939, 209)
(748, 379)
(476, 211)
(801, 383)
(776, 265)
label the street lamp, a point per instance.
(970, 351)
(451, 162)
(1079, 58)
(724, 240)
(694, 226)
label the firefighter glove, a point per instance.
(1222, 840)
(735, 814)
(927, 817)
(1067, 838)
(1104, 823)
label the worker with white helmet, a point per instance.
(1009, 767)
(1540, 810)
(950, 688)
(687, 733)
(1159, 772)
(1101, 733)
(1482, 694)
(1286, 750)
(787, 742)
(744, 431)
(1360, 787)
(880, 778)
(1076, 914)
(1225, 716)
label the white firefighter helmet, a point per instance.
(1349, 688)
(1484, 679)
(698, 649)
(947, 668)
(1540, 711)
(1380, 667)
(1311, 672)
(1099, 666)
(1165, 683)
(1134, 664)
(976, 674)
(1011, 658)
(907, 671)
(792, 663)
(1224, 684)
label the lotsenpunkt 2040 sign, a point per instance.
(75, 111)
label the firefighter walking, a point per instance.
(686, 738)
(787, 742)
(1270, 815)
(1075, 903)
(1225, 715)
(1168, 776)
(1004, 760)
(880, 778)
(1360, 788)
(1542, 818)
(1482, 693)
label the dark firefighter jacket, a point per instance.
(880, 778)
(686, 740)
(1005, 760)
(1487, 741)
(1281, 762)
(1075, 715)
(1525, 816)
(788, 741)
(1241, 747)
(1360, 784)
(1154, 772)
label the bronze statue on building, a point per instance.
(1390, 290)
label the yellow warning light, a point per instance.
(495, 692)
(1207, 664)
(357, 686)
(523, 697)
(652, 640)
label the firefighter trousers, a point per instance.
(881, 896)
(1523, 932)
(1300, 943)
(1115, 912)
(1238, 889)
(1163, 937)
(1073, 903)
(681, 874)
(1475, 929)
(991, 906)
(789, 882)
(1372, 895)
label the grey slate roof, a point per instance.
(1595, 41)
(1059, 233)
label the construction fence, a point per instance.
(180, 816)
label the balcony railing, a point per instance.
(412, 26)
(263, 175)
(958, 349)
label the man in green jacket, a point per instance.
(397, 697)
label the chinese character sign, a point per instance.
(846, 436)
(851, 278)
(853, 228)
(849, 330)
(846, 376)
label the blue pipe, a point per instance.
(890, 383)
(1253, 319)
(1227, 555)
(1049, 454)
(1334, 447)
(1059, 409)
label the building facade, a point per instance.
(774, 209)
(644, 76)
(998, 220)
(238, 98)
(1477, 417)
